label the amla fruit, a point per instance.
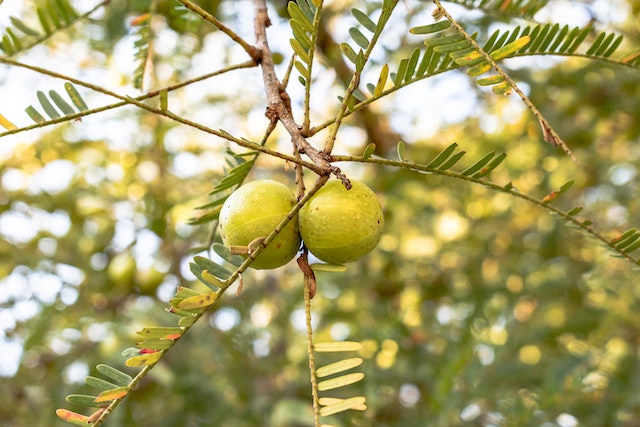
(339, 225)
(252, 212)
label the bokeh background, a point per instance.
(476, 309)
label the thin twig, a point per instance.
(549, 134)
(585, 226)
(148, 95)
(166, 113)
(253, 52)
(312, 362)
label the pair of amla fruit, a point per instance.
(337, 225)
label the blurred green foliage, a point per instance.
(476, 309)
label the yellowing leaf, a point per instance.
(5, 123)
(341, 381)
(340, 405)
(340, 366)
(337, 346)
(198, 301)
(113, 394)
(72, 417)
(144, 359)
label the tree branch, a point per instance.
(278, 101)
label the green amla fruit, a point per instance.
(339, 225)
(252, 212)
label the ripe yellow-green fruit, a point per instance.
(253, 211)
(339, 225)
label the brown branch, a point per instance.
(278, 101)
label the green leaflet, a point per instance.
(120, 378)
(368, 151)
(84, 400)
(478, 165)
(48, 108)
(359, 38)
(99, 383)
(364, 20)
(217, 270)
(442, 156)
(61, 103)
(431, 28)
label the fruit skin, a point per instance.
(253, 211)
(339, 225)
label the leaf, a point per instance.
(299, 16)
(503, 88)
(6, 123)
(337, 346)
(119, 377)
(401, 148)
(341, 405)
(575, 211)
(156, 344)
(364, 20)
(199, 301)
(631, 248)
(217, 270)
(23, 27)
(431, 28)
(47, 106)
(479, 164)
(442, 156)
(368, 151)
(61, 103)
(84, 400)
(359, 38)
(224, 253)
(491, 166)
(492, 80)
(144, 359)
(99, 383)
(303, 54)
(411, 65)
(452, 161)
(167, 332)
(402, 68)
(341, 381)
(73, 418)
(332, 268)
(481, 68)
(183, 292)
(142, 50)
(510, 48)
(75, 97)
(452, 47)
(113, 394)
(337, 367)
(348, 52)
